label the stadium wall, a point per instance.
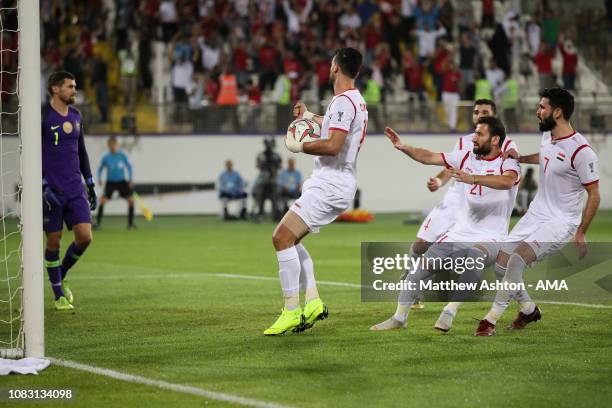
(389, 181)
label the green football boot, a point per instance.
(67, 292)
(288, 320)
(62, 304)
(313, 311)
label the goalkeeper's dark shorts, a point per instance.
(122, 186)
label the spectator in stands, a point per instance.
(231, 187)
(426, 15)
(282, 99)
(543, 61)
(483, 89)
(128, 77)
(372, 96)
(290, 184)
(267, 56)
(99, 81)
(413, 79)
(464, 15)
(450, 92)
(350, 19)
(427, 41)
(570, 62)
(500, 47)
(227, 99)
(446, 18)
(240, 59)
(295, 14)
(494, 74)
(534, 35)
(210, 52)
(254, 101)
(507, 97)
(196, 90)
(371, 37)
(468, 57)
(550, 29)
(169, 19)
(488, 14)
(182, 72)
(367, 8)
(322, 67)
(438, 64)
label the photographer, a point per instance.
(268, 163)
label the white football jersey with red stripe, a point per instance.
(566, 166)
(453, 197)
(347, 112)
(487, 213)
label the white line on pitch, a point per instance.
(185, 389)
(163, 274)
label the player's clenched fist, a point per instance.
(434, 184)
(299, 109)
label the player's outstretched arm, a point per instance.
(326, 147)
(588, 214)
(421, 155)
(528, 159)
(300, 111)
(503, 182)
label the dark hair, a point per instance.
(57, 79)
(349, 61)
(559, 98)
(496, 127)
(486, 102)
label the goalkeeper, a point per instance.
(116, 163)
(65, 199)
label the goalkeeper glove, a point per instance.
(50, 198)
(91, 194)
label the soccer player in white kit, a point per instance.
(488, 185)
(325, 195)
(568, 169)
(444, 215)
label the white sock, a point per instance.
(514, 274)
(289, 271)
(452, 307)
(401, 313)
(407, 298)
(528, 307)
(308, 283)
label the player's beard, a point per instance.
(483, 150)
(68, 100)
(547, 124)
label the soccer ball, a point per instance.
(304, 130)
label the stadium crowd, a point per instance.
(222, 52)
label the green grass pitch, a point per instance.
(153, 303)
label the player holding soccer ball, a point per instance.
(568, 170)
(325, 195)
(65, 199)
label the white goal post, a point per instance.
(31, 170)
